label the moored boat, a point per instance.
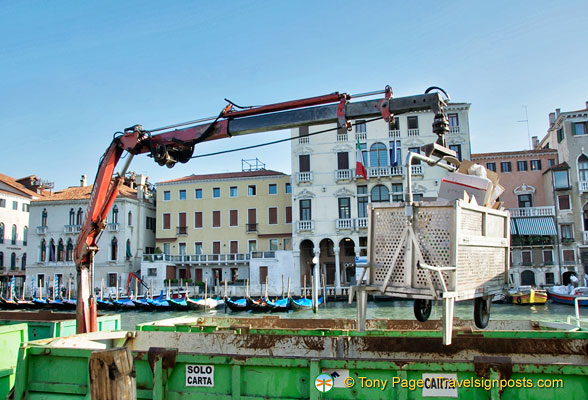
(237, 304)
(531, 296)
(281, 305)
(568, 295)
(304, 303)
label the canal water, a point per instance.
(395, 309)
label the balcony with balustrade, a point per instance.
(413, 132)
(200, 259)
(532, 212)
(417, 169)
(342, 137)
(454, 130)
(394, 134)
(304, 140)
(41, 230)
(303, 177)
(344, 174)
(362, 223)
(344, 224)
(72, 229)
(113, 227)
(305, 226)
(361, 136)
(583, 186)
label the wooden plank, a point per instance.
(112, 374)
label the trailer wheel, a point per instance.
(482, 311)
(422, 309)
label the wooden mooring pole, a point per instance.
(112, 374)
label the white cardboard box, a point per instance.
(455, 184)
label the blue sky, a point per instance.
(73, 73)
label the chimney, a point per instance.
(140, 180)
(587, 105)
(83, 181)
(557, 112)
(534, 142)
(551, 118)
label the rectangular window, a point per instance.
(287, 242)
(550, 162)
(3, 203)
(273, 245)
(262, 275)
(397, 192)
(343, 160)
(413, 122)
(216, 246)
(182, 195)
(560, 135)
(457, 149)
(151, 271)
(273, 215)
(233, 191)
(252, 245)
(166, 195)
(416, 150)
(563, 202)
(182, 249)
(549, 278)
(561, 179)
(505, 166)
(580, 128)
(198, 248)
(198, 219)
(198, 193)
(288, 188)
(491, 166)
(234, 246)
(234, 218)
(453, 120)
(273, 188)
(548, 257)
(344, 208)
(395, 124)
(216, 219)
(360, 126)
(362, 201)
(525, 200)
(166, 248)
(398, 160)
(305, 211)
(567, 233)
(251, 190)
(526, 255)
(215, 193)
(288, 214)
(252, 220)
(535, 165)
(167, 221)
(15, 205)
(112, 278)
(569, 257)
(182, 225)
(304, 163)
(522, 165)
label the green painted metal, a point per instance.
(11, 337)
(267, 375)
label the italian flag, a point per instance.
(359, 167)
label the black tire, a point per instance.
(482, 311)
(422, 309)
(519, 301)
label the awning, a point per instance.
(534, 226)
(513, 227)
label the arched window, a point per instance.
(378, 155)
(25, 235)
(113, 249)
(380, 193)
(43, 250)
(13, 260)
(69, 251)
(1, 232)
(528, 278)
(52, 250)
(13, 241)
(72, 216)
(115, 214)
(130, 218)
(583, 168)
(79, 217)
(44, 217)
(1, 259)
(60, 251)
(23, 262)
(129, 254)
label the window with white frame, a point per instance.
(563, 202)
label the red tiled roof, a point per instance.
(226, 175)
(513, 153)
(83, 193)
(13, 183)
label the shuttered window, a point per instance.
(198, 219)
(216, 219)
(166, 221)
(234, 217)
(273, 215)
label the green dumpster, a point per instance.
(11, 336)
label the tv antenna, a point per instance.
(526, 120)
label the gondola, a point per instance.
(237, 304)
(281, 305)
(260, 305)
(179, 304)
(103, 304)
(62, 304)
(205, 304)
(305, 304)
(15, 304)
(124, 304)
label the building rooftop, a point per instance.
(514, 153)
(226, 175)
(83, 193)
(9, 181)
